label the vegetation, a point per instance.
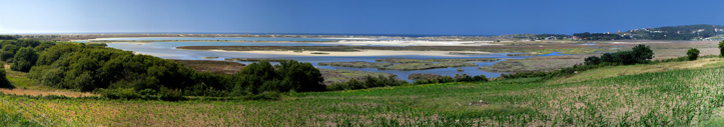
(647, 99)
(692, 54)
(8, 37)
(639, 54)
(404, 60)
(341, 75)
(421, 76)
(289, 76)
(409, 64)
(721, 48)
(547, 63)
(215, 67)
(254, 59)
(599, 36)
(356, 64)
(122, 74)
(4, 83)
(685, 32)
(425, 66)
(367, 82)
(24, 59)
(457, 78)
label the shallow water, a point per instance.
(167, 50)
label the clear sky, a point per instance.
(429, 17)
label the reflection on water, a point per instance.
(167, 50)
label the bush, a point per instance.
(721, 48)
(289, 75)
(266, 96)
(367, 82)
(24, 59)
(592, 60)
(120, 93)
(4, 83)
(692, 54)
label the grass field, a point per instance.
(685, 96)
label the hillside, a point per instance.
(674, 95)
(685, 32)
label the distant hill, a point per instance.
(685, 32)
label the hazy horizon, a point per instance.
(478, 18)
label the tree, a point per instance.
(693, 53)
(592, 60)
(721, 48)
(642, 53)
(24, 59)
(4, 83)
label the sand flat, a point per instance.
(361, 53)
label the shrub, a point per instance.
(721, 48)
(592, 60)
(289, 75)
(24, 59)
(4, 83)
(368, 82)
(266, 96)
(692, 54)
(120, 93)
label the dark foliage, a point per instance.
(4, 83)
(289, 75)
(692, 54)
(24, 59)
(456, 78)
(8, 37)
(638, 55)
(721, 48)
(367, 82)
(598, 36)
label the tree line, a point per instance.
(118, 74)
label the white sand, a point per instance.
(362, 53)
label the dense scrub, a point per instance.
(367, 82)
(456, 78)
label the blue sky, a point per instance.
(438, 17)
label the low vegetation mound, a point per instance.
(357, 64)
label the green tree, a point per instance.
(4, 83)
(24, 59)
(693, 53)
(642, 53)
(592, 60)
(721, 48)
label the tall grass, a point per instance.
(672, 98)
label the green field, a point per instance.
(676, 97)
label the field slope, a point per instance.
(669, 97)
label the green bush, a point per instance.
(4, 83)
(24, 59)
(266, 96)
(692, 54)
(721, 48)
(638, 55)
(288, 75)
(367, 82)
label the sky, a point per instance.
(400, 17)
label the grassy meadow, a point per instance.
(691, 95)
